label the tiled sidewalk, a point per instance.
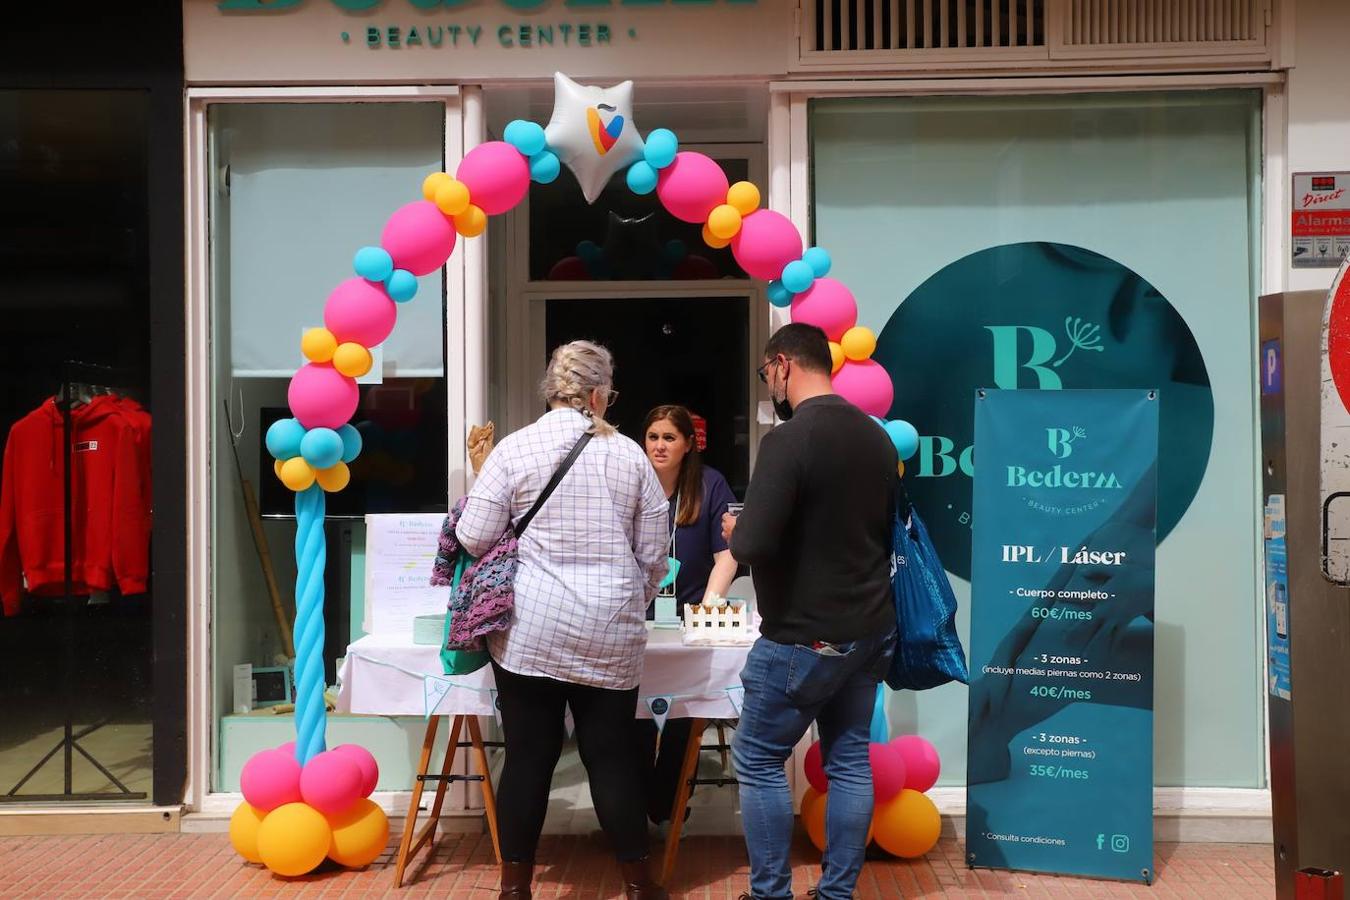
(572, 866)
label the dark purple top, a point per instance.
(695, 544)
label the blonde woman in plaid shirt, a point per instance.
(590, 562)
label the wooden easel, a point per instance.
(410, 845)
(688, 770)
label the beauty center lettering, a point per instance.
(564, 34)
(523, 34)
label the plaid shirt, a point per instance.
(590, 560)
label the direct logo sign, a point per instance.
(604, 134)
(1038, 316)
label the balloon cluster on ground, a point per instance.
(281, 823)
(905, 822)
(294, 817)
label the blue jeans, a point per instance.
(786, 687)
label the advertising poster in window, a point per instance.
(1060, 758)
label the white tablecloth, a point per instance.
(389, 675)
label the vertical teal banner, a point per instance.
(1060, 753)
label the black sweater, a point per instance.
(816, 528)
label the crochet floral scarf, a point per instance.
(482, 601)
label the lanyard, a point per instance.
(670, 589)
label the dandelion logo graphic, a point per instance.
(1060, 440)
(1082, 336)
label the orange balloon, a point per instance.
(713, 240)
(908, 825)
(244, 825)
(433, 183)
(334, 478)
(294, 839)
(471, 222)
(360, 834)
(813, 817)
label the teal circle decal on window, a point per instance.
(1037, 316)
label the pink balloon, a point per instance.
(866, 385)
(691, 187)
(322, 397)
(365, 761)
(288, 747)
(828, 305)
(270, 779)
(922, 763)
(766, 243)
(419, 237)
(360, 311)
(497, 176)
(694, 266)
(814, 764)
(888, 771)
(569, 268)
(331, 782)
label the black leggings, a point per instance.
(665, 762)
(532, 720)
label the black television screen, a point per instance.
(403, 463)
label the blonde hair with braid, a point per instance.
(574, 372)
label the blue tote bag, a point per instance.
(929, 651)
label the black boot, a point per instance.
(516, 877)
(638, 883)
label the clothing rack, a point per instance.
(69, 744)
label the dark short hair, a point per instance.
(806, 345)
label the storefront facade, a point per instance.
(1038, 159)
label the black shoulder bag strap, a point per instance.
(553, 482)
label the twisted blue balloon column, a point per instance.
(311, 556)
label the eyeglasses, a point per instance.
(763, 370)
(612, 398)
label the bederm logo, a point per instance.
(1060, 443)
(1039, 316)
(1060, 440)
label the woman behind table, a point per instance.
(589, 563)
(697, 496)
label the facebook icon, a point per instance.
(1101, 841)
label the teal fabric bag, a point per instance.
(460, 662)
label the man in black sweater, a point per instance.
(816, 532)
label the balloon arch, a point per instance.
(302, 802)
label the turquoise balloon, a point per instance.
(401, 286)
(642, 178)
(525, 136)
(589, 251)
(322, 448)
(904, 436)
(544, 167)
(797, 276)
(373, 263)
(660, 148)
(818, 258)
(779, 295)
(284, 437)
(351, 442)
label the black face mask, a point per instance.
(781, 408)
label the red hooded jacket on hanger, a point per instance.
(110, 512)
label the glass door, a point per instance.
(295, 189)
(76, 406)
